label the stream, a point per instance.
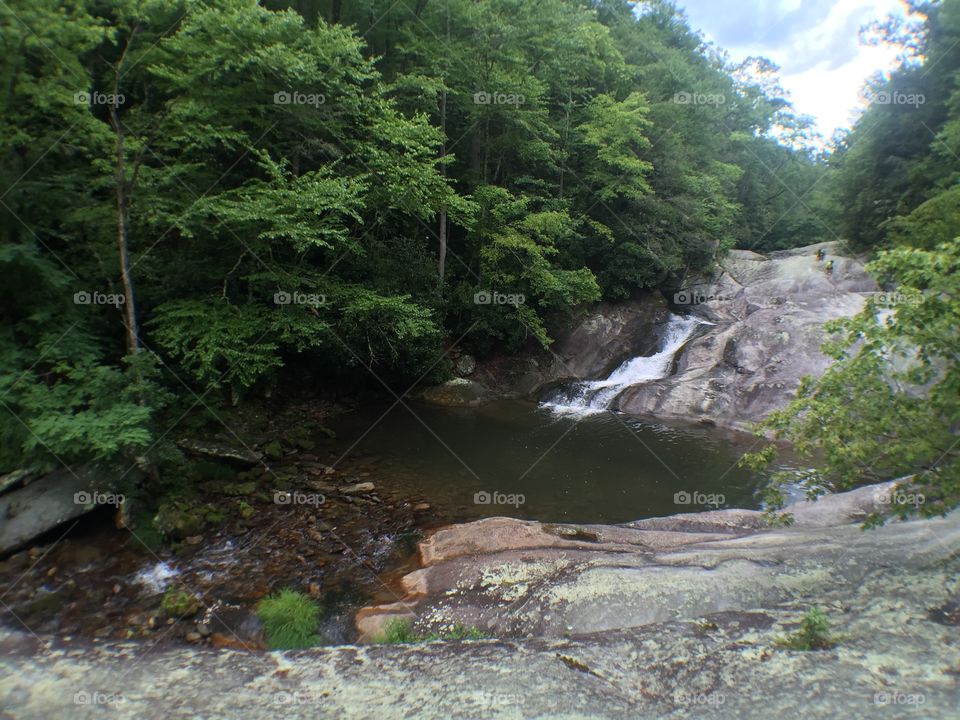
(414, 467)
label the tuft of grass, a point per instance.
(813, 634)
(397, 632)
(401, 631)
(290, 620)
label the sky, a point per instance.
(815, 42)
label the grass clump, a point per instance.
(813, 634)
(401, 631)
(290, 620)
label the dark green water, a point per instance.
(602, 468)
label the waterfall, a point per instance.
(594, 396)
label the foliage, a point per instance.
(402, 632)
(890, 403)
(813, 633)
(246, 155)
(290, 620)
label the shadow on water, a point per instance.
(515, 459)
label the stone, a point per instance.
(459, 392)
(273, 450)
(665, 617)
(178, 519)
(358, 488)
(219, 451)
(766, 330)
(49, 501)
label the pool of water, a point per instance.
(516, 459)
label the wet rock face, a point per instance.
(767, 315)
(590, 345)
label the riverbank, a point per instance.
(890, 595)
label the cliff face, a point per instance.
(766, 316)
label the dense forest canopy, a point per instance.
(197, 195)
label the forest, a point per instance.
(203, 200)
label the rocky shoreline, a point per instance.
(668, 617)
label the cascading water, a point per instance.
(595, 396)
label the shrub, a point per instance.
(290, 620)
(814, 633)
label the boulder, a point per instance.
(763, 330)
(51, 500)
(458, 392)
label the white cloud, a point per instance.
(815, 42)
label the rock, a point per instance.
(273, 450)
(372, 622)
(421, 507)
(236, 489)
(659, 618)
(29, 511)
(178, 519)
(767, 315)
(459, 392)
(15, 479)
(593, 344)
(179, 603)
(519, 577)
(193, 540)
(193, 637)
(465, 365)
(203, 629)
(239, 456)
(358, 488)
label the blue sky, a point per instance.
(815, 43)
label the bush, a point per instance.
(290, 620)
(814, 633)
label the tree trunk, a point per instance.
(129, 305)
(442, 260)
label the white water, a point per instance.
(595, 396)
(157, 577)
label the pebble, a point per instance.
(193, 637)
